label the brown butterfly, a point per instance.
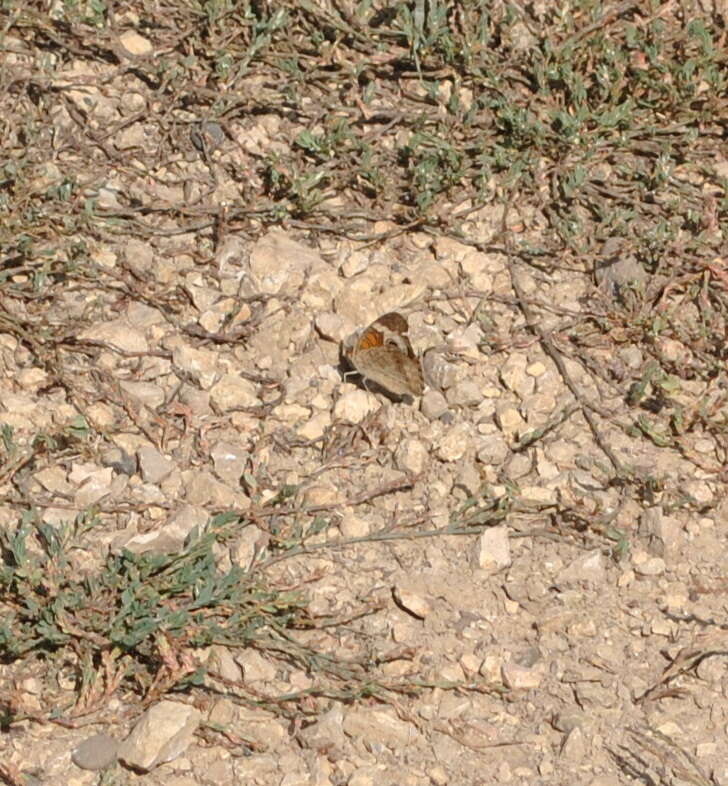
(383, 354)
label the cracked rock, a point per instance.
(163, 733)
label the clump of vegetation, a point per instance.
(133, 622)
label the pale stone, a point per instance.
(518, 677)
(673, 351)
(469, 478)
(536, 369)
(221, 660)
(186, 519)
(316, 426)
(279, 263)
(411, 456)
(399, 296)
(203, 298)
(144, 316)
(663, 627)
(654, 566)
(606, 780)
(139, 256)
(705, 749)
(420, 240)
(509, 419)
(118, 333)
(470, 663)
(153, 465)
(200, 364)
(31, 378)
(452, 672)
(546, 469)
(455, 442)
(94, 488)
(466, 393)
(434, 275)
(135, 44)
(230, 256)
(556, 622)
(119, 460)
(519, 465)
(538, 495)
(170, 537)
(491, 668)
(475, 263)
(372, 726)
(131, 137)
(574, 747)
(202, 488)
(54, 479)
(352, 526)
(355, 263)
(162, 734)
(332, 326)
(583, 629)
(233, 392)
(492, 450)
(465, 341)
(450, 249)
(493, 550)
(663, 532)
(255, 667)
(296, 779)
(229, 460)
(434, 405)
(413, 602)
(105, 257)
(17, 403)
(222, 712)
(47, 174)
(292, 413)
(321, 287)
(438, 371)
(317, 496)
(248, 545)
(146, 392)
(704, 445)
(567, 720)
(587, 568)
(131, 103)
(514, 377)
(325, 733)
(699, 490)
(355, 405)
(96, 752)
(108, 197)
(58, 516)
(626, 578)
(438, 775)
(258, 769)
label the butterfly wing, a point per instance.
(392, 321)
(395, 328)
(383, 354)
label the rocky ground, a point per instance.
(540, 558)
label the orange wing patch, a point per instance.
(370, 339)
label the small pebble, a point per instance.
(207, 136)
(96, 752)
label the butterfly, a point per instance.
(382, 353)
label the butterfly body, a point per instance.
(382, 353)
